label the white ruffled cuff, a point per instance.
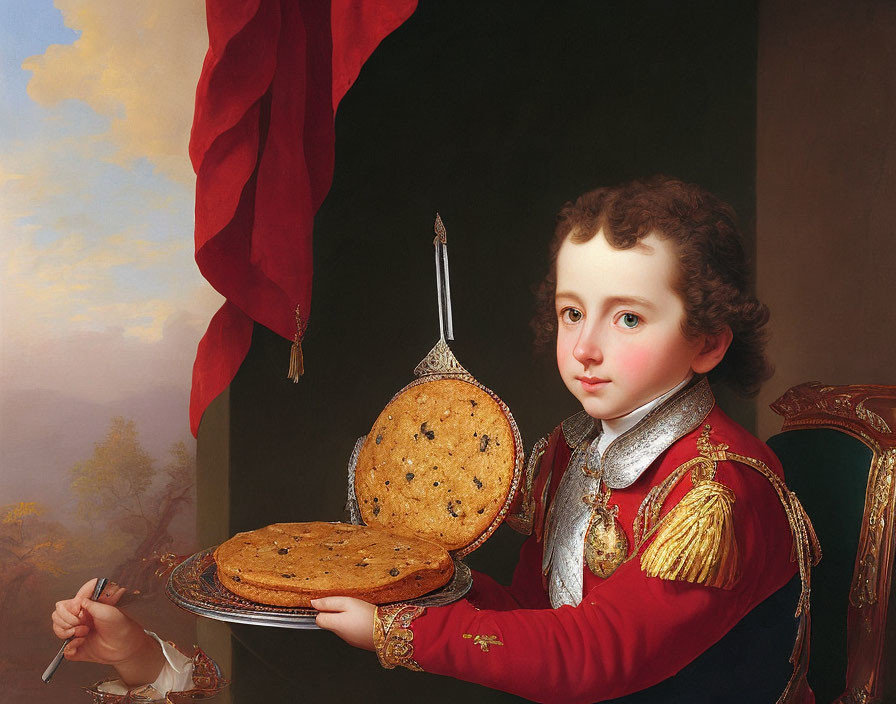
(177, 672)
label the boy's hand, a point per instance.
(104, 634)
(350, 619)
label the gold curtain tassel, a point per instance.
(695, 542)
(296, 359)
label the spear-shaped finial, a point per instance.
(441, 234)
(443, 287)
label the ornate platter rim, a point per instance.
(194, 587)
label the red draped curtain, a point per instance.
(262, 146)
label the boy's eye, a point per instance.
(571, 315)
(629, 320)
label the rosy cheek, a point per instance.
(565, 347)
(637, 360)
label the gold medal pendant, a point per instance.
(606, 544)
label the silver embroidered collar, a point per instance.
(629, 455)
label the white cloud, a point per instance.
(135, 63)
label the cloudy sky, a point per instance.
(101, 303)
(100, 294)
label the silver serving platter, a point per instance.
(194, 586)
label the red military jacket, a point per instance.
(631, 630)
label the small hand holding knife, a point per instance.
(48, 673)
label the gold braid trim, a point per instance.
(522, 521)
(392, 636)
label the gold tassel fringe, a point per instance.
(695, 542)
(296, 359)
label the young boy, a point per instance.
(659, 564)
(659, 567)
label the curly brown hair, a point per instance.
(713, 280)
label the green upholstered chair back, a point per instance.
(838, 450)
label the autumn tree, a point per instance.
(116, 487)
(29, 546)
(114, 481)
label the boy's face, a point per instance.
(619, 338)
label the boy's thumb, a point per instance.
(97, 609)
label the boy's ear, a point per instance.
(714, 348)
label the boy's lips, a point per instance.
(590, 383)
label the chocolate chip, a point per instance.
(324, 573)
(376, 509)
(379, 439)
(409, 476)
(477, 482)
(289, 575)
(451, 511)
(430, 434)
(394, 572)
(483, 443)
(474, 404)
(376, 499)
(418, 576)
(457, 501)
(435, 483)
(361, 564)
(236, 578)
(416, 436)
(283, 551)
(480, 510)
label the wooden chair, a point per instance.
(838, 448)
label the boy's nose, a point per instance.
(588, 349)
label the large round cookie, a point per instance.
(438, 463)
(288, 564)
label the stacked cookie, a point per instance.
(288, 564)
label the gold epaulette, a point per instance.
(695, 541)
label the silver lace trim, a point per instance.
(629, 455)
(565, 534)
(578, 427)
(352, 510)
